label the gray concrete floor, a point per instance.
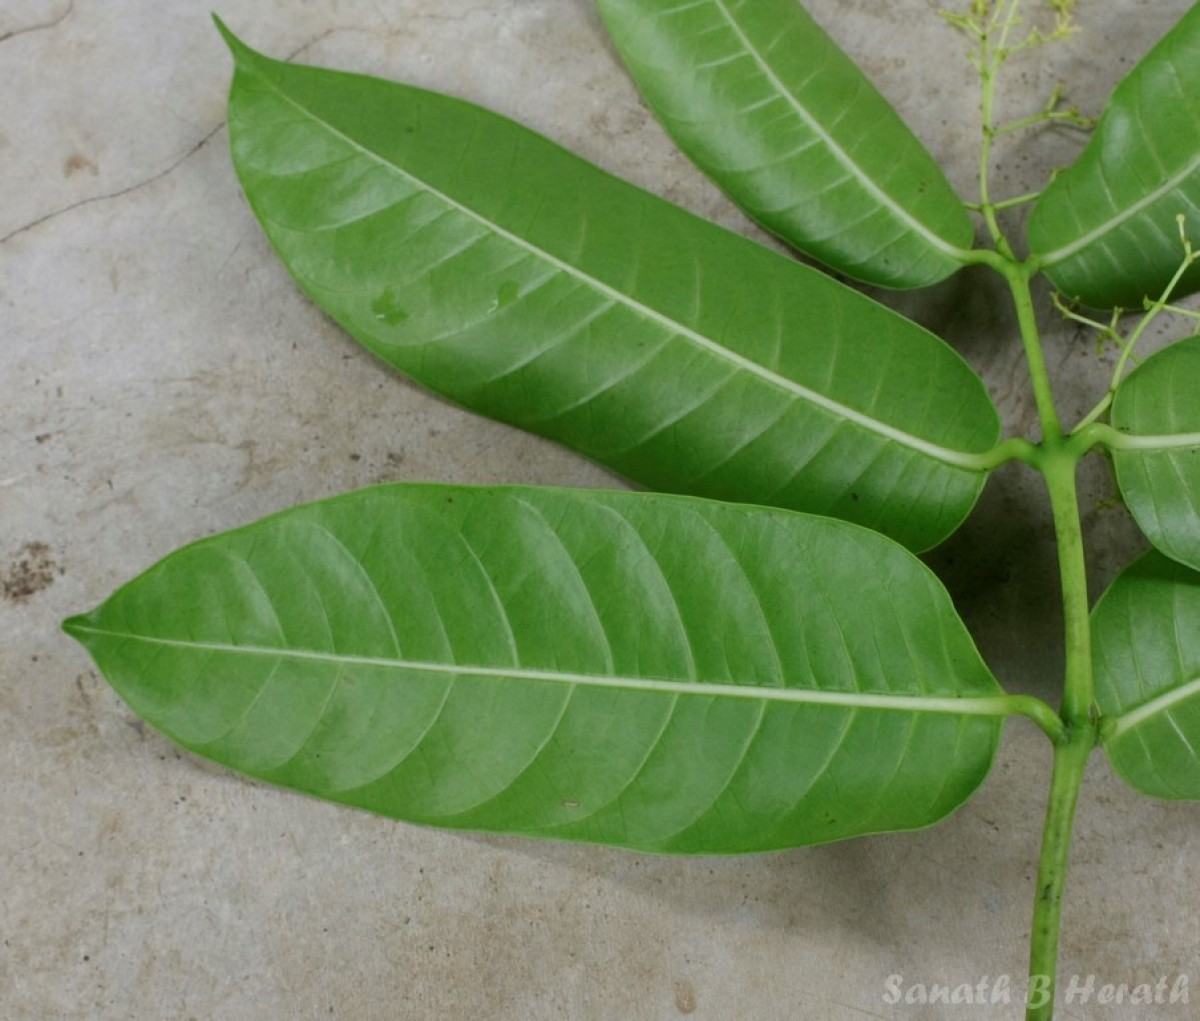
(162, 379)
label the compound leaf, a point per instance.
(516, 279)
(1105, 229)
(654, 672)
(765, 102)
(1146, 637)
(1158, 469)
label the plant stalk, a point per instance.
(1070, 758)
(987, 71)
(1018, 277)
(1057, 458)
(1057, 463)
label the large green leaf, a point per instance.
(518, 280)
(1157, 459)
(655, 672)
(766, 103)
(1146, 637)
(1105, 230)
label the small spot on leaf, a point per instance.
(509, 291)
(387, 309)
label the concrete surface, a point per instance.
(162, 379)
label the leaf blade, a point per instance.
(554, 297)
(820, 159)
(1148, 676)
(1161, 484)
(1105, 229)
(652, 672)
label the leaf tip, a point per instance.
(236, 46)
(77, 626)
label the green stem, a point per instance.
(987, 71)
(1070, 759)
(1057, 463)
(1010, 203)
(1017, 200)
(1015, 448)
(988, 66)
(1058, 466)
(1018, 276)
(1039, 712)
(1056, 459)
(1153, 310)
(1071, 117)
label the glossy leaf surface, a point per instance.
(520, 281)
(1105, 229)
(767, 104)
(1161, 486)
(653, 672)
(1146, 636)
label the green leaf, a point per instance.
(1146, 639)
(766, 103)
(516, 279)
(1157, 457)
(648, 671)
(1105, 230)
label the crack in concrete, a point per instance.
(389, 32)
(129, 189)
(109, 196)
(43, 26)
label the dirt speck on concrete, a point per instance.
(30, 570)
(685, 997)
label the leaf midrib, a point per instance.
(1160, 703)
(954, 458)
(1151, 442)
(1122, 216)
(966, 705)
(934, 240)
